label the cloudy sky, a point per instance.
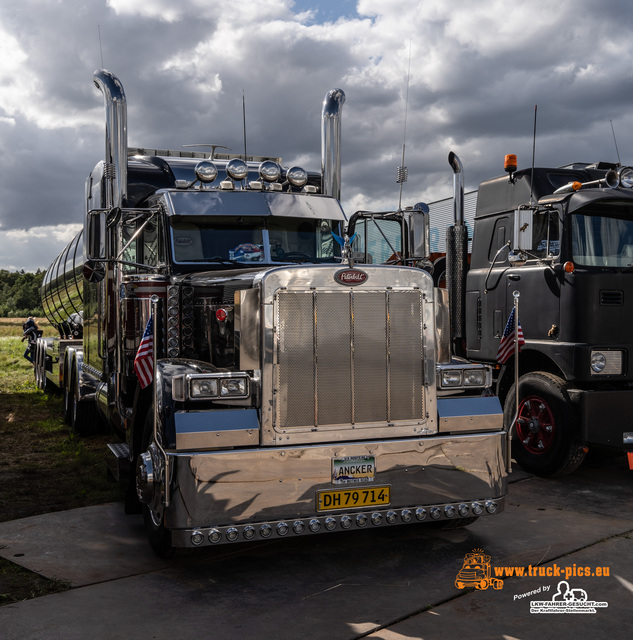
(477, 70)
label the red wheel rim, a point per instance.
(535, 426)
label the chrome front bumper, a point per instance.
(226, 496)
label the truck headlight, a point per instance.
(451, 378)
(474, 377)
(606, 363)
(203, 388)
(463, 376)
(210, 387)
(232, 387)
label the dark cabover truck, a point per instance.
(571, 234)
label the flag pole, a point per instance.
(516, 295)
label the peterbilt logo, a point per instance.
(350, 277)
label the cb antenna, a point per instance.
(615, 142)
(402, 171)
(244, 122)
(100, 47)
(533, 155)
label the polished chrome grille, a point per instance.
(349, 357)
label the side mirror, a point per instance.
(95, 236)
(418, 223)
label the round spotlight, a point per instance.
(269, 171)
(406, 515)
(265, 530)
(376, 518)
(330, 524)
(298, 526)
(391, 517)
(314, 525)
(626, 177)
(232, 534)
(477, 508)
(463, 510)
(282, 528)
(346, 522)
(206, 171)
(436, 512)
(491, 506)
(197, 538)
(449, 510)
(237, 169)
(249, 532)
(361, 520)
(420, 514)
(214, 536)
(297, 176)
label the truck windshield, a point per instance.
(252, 239)
(603, 239)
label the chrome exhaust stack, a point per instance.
(116, 137)
(457, 259)
(331, 143)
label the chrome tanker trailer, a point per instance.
(262, 386)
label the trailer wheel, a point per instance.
(68, 400)
(84, 419)
(545, 437)
(158, 534)
(40, 367)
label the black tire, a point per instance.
(545, 439)
(67, 406)
(84, 419)
(158, 535)
(439, 273)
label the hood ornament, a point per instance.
(346, 247)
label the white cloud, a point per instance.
(477, 70)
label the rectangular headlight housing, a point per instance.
(463, 376)
(606, 362)
(210, 387)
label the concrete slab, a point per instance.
(505, 613)
(81, 546)
(335, 586)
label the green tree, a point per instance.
(20, 293)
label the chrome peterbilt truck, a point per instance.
(284, 391)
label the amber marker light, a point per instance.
(569, 267)
(510, 163)
(576, 186)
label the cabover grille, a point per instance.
(611, 298)
(349, 357)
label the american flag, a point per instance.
(506, 346)
(144, 360)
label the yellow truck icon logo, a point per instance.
(476, 572)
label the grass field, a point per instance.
(44, 466)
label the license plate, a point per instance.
(348, 498)
(353, 469)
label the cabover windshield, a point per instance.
(602, 235)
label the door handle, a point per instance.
(514, 277)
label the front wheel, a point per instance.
(158, 535)
(545, 436)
